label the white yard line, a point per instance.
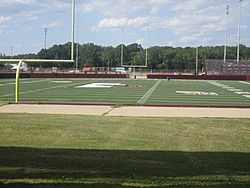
(228, 88)
(27, 82)
(35, 90)
(244, 82)
(145, 97)
(6, 80)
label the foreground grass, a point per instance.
(75, 151)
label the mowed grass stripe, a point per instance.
(12, 80)
(38, 90)
(24, 82)
(31, 88)
(239, 85)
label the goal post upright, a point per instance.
(73, 29)
(17, 81)
(146, 54)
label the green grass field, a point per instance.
(89, 151)
(136, 91)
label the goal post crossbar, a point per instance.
(36, 61)
(135, 66)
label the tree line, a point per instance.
(159, 57)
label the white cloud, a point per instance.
(3, 23)
(140, 41)
(29, 16)
(33, 7)
(113, 22)
(187, 39)
(122, 22)
(14, 2)
(189, 5)
(170, 43)
(87, 7)
(52, 25)
(156, 5)
(124, 7)
(4, 19)
(212, 27)
(244, 27)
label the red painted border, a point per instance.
(142, 105)
(200, 77)
(62, 75)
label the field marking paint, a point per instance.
(197, 93)
(13, 83)
(243, 93)
(9, 80)
(145, 97)
(244, 82)
(35, 90)
(61, 81)
(232, 89)
(101, 85)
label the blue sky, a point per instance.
(170, 22)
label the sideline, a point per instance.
(132, 111)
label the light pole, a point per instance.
(238, 48)
(45, 37)
(122, 46)
(197, 50)
(77, 44)
(11, 52)
(226, 20)
(146, 61)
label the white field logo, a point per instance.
(197, 93)
(101, 85)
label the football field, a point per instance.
(127, 91)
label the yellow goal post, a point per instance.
(21, 61)
(146, 55)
